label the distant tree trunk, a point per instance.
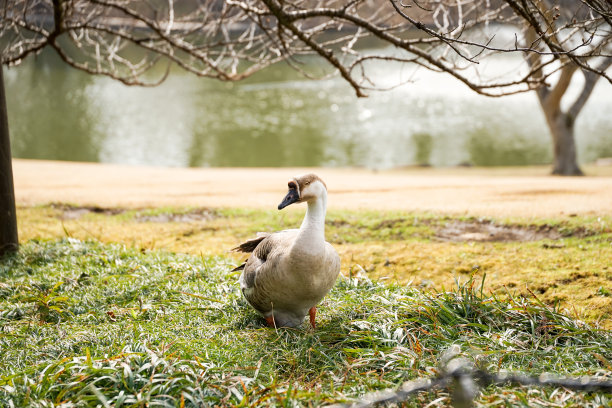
(561, 127)
(8, 216)
(560, 123)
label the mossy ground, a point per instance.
(91, 324)
(573, 271)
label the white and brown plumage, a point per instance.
(289, 272)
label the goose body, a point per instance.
(289, 272)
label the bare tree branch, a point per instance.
(230, 40)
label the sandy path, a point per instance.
(523, 192)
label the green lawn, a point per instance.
(86, 323)
(571, 268)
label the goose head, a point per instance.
(306, 188)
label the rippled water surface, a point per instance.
(280, 119)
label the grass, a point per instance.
(91, 324)
(573, 271)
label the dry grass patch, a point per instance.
(575, 275)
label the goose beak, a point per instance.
(291, 197)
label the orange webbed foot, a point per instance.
(313, 313)
(270, 320)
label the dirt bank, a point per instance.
(521, 192)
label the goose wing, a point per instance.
(262, 265)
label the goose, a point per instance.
(290, 271)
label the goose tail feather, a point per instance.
(250, 245)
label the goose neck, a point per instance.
(314, 221)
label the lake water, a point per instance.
(280, 119)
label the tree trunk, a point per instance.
(8, 216)
(561, 127)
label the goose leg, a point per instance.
(270, 320)
(312, 312)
